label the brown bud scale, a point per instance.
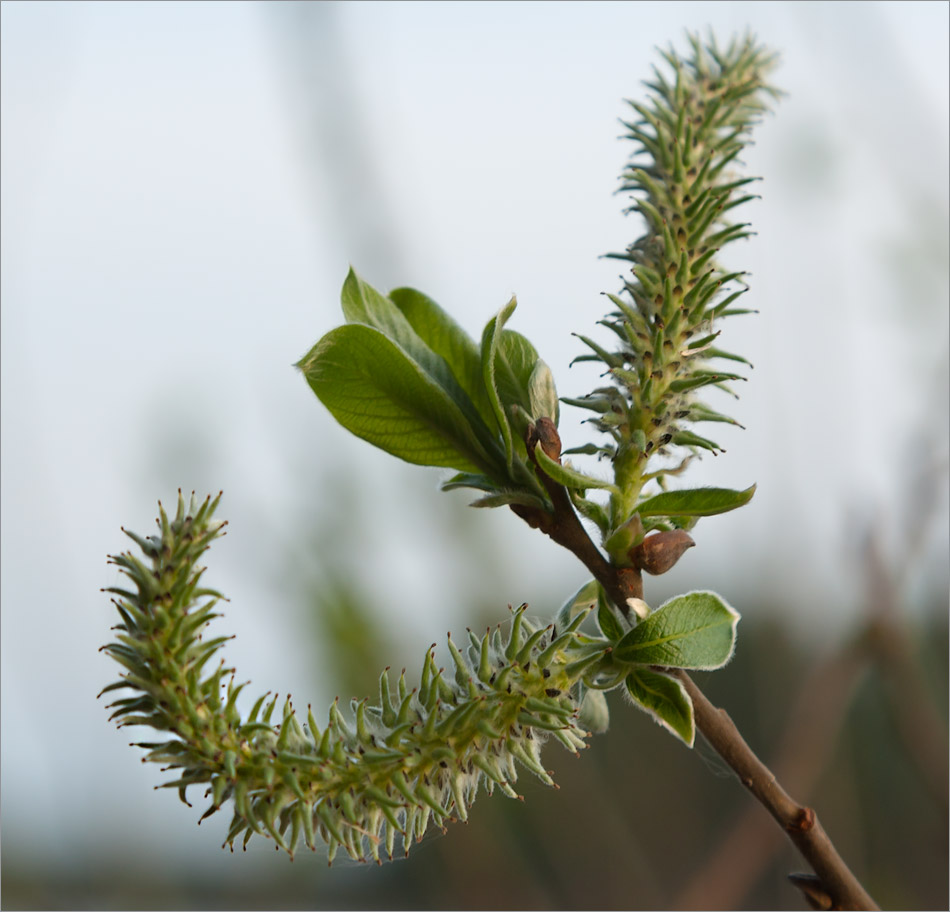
(658, 552)
(545, 432)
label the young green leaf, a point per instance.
(594, 713)
(664, 698)
(507, 497)
(696, 630)
(491, 337)
(376, 391)
(446, 338)
(361, 303)
(607, 621)
(565, 475)
(695, 502)
(583, 600)
(469, 480)
(591, 510)
(516, 361)
(542, 394)
(434, 345)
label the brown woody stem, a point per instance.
(800, 823)
(834, 879)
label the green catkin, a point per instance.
(687, 136)
(419, 756)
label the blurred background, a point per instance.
(184, 186)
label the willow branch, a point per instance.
(800, 823)
(802, 754)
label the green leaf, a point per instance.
(491, 337)
(517, 359)
(696, 630)
(584, 598)
(594, 713)
(431, 339)
(542, 394)
(664, 698)
(505, 498)
(517, 381)
(447, 339)
(519, 421)
(609, 625)
(695, 502)
(361, 303)
(565, 475)
(591, 510)
(622, 539)
(469, 480)
(378, 392)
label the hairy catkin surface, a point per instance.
(366, 783)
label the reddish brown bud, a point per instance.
(660, 551)
(544, 431)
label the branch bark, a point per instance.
(836, 886)
(799, 822)
(802, 753)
